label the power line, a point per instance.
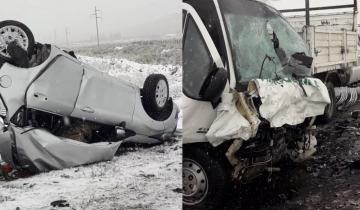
(96, 14)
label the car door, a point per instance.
(200, 56)
(57, 87)
(105, 99)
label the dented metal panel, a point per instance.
(230, 123)
(56, 91)
(286, 102)
(48, 152)
(104, 99)
(283, 102)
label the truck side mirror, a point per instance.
(214, 86)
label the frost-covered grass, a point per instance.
(145, 52)
(147, 178)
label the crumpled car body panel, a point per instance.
(48, 152)
(38, 150)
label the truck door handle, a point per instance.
(87, 109)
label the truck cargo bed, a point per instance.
(332, 40)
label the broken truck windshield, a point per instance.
(248, 24)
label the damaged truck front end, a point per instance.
(250, 100)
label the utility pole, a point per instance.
(67, 36)
(96, 14)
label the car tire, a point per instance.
(16, 28)
(330, 109)
(155, 97)
(205, 179)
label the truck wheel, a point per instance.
(155, 96)
(331, 108)
(11, 31)
(204, 179)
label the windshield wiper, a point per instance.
(263, 62)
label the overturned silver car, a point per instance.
(61, 113)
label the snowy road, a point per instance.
(147, 178)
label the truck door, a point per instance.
(57, 88)
(200, 56)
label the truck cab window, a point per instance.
(207, 11)
(197, 61)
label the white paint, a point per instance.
(285, 102)
(229, 123)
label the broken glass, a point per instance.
(249, 25)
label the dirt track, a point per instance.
(330, 180)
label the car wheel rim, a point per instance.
(9, 34)
(161, 93)
(195, 183)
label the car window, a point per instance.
(197, 61)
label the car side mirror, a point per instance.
(214, 86)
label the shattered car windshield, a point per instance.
(251, 25)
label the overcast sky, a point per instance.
(285, 4)
(48, 19)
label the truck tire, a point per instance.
(155, 97)
(205, 179)
(330, 109)
(10, 31)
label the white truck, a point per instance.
(333, 42)
(249, 97)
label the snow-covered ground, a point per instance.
(146, 178)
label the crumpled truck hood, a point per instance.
(48, 152)
(283, 102)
